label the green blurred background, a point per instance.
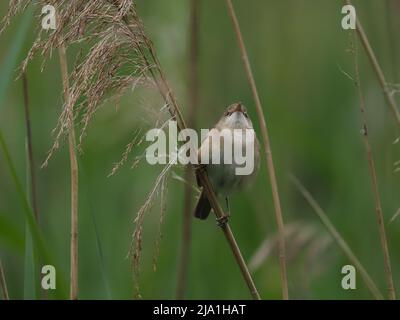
(297, 50)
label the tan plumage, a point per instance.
(223, 176)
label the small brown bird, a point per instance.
(223, 176)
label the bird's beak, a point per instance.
(238, 108)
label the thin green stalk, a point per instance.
(31, 268)
(34, 230)
(31, 161)
(374, 181)
(267, 150)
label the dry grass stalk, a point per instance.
(373, 175)
(74, 178)
(14, 7)
(339, 239)
(3, 283)
(192, 106)
(267, 150)
(136, 245)
(378, 70)
(136, 141)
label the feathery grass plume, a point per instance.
(113, 63)
(148, 116)
(136, 141)
(14, 7)
(136, 244)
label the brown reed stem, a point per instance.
(31, 162)
(3, 283)
(267, 150)
(338, 238)
(377, 68)
(74, 177)
(192, 106)
(374, 180)
(205, 182)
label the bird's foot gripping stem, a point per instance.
(222, 221)
(200, 167)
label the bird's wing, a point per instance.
(205, 148)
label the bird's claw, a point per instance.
(200, 167)
(222, 221)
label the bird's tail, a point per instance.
(203, 207)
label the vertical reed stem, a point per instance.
(374, 180)
(377, 68)
(267, 150)
(74, 178)
(192, 106)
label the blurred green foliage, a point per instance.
(297, 50)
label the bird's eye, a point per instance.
(227, 113)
